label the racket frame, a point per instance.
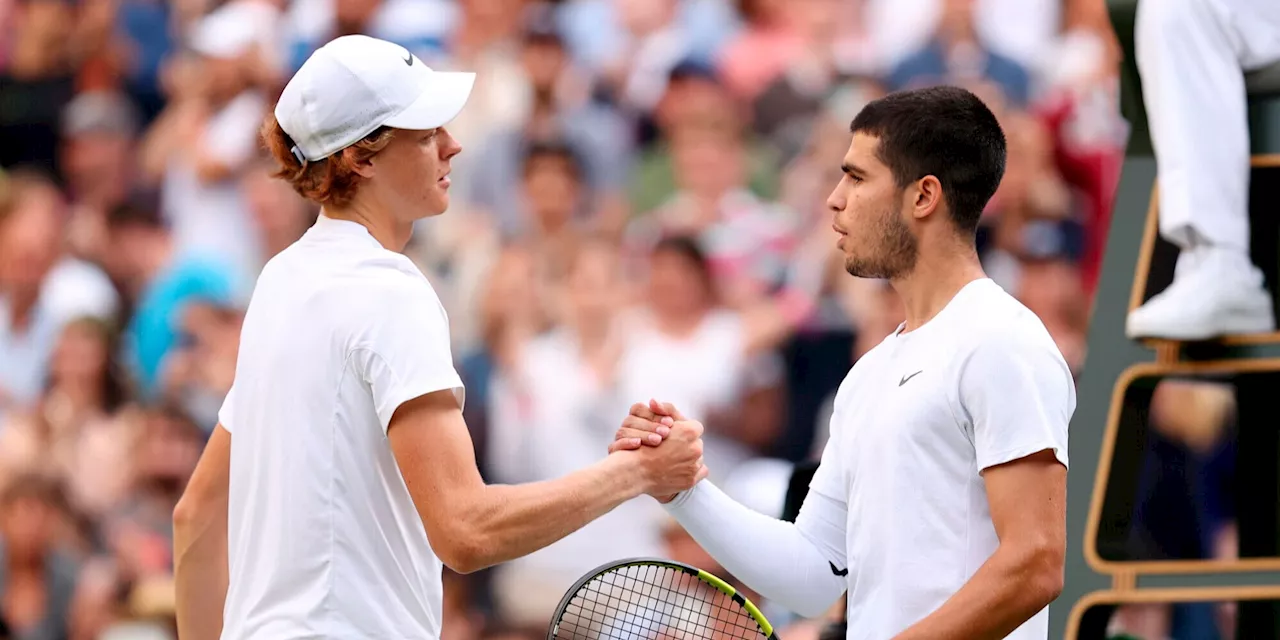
(704, 576)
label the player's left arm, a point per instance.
(1017, 394)
(200, 542)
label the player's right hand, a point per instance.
(675, 466)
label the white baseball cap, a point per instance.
(355, 84)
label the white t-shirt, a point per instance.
(324, 540)
(916, 421)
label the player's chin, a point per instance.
(437, 204)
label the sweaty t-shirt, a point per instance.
(916, 422)
(324, 540)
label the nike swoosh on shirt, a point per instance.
(906, 378)
(839, 572)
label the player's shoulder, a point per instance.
(361, 282)
(999, 331)
(989, 314)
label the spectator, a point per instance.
(772, 40)
(650, 43)
(748, 240)
(203, 142)
(47, 43)
(37, 579)
(561, 111)
(41, 289)
(485, 41)
(98, 155)
(958, 54)
(159, 282)
(139, 531)
(199, 371)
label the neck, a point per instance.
(934, 282)
(392, 234)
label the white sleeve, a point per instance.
(405, 353)
(1017, 395)
(793, 565)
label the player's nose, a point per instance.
(449, 146)
(836, 201)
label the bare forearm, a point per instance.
(1004, 593)
(509, 521)
(200, 573)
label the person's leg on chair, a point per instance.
(1191, 55)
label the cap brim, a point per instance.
(442, 100)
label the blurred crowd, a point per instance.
(638, 212)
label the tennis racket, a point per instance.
(652, 599)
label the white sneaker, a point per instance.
(1215, 292)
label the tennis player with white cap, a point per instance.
(351, 476)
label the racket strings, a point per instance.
(652, 602)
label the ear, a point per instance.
(925, 197)
(362, 167)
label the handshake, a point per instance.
(663, 446)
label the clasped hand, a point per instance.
(667, 446)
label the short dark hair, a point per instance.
(943, 131)
(139, 210)
(552, 150)
(691, 250)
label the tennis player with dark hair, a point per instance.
(351, 477)
(940, 501)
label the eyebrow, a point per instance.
(852, 170)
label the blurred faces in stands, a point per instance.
(552, 186)
(85, 381)
(30, 236)
(708, 158)
(595, 289)
(167, 453)
(693, 92)
(98, 130)
(141, 246)
(29, 524)
(199, 371)
(38, 581)
(680, 282)
(545, 60)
